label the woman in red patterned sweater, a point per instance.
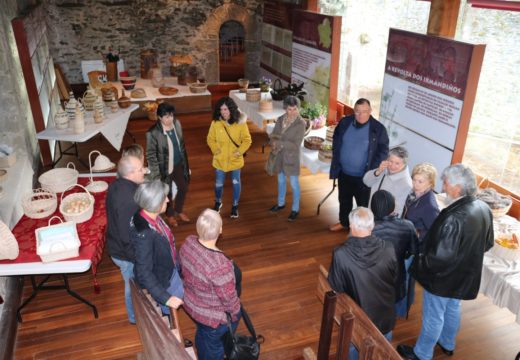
(211, 286)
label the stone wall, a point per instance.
(83, 28)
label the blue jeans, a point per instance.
(209, 341)
(401, 306)
(440, 323)
(220, 177)
(353, 353)
(282, 189)
(127, 270)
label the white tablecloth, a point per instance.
(251, 108)
(153, 93)
(113, 128)
(501, 282)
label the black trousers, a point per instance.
(176, 206)
(350, 187)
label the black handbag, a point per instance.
(242, 347)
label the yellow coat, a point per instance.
(223, 149)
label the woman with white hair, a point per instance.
(156, 262)
(393, 176)
(212, 286)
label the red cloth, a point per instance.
(91, 233)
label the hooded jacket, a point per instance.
(398, 184)
(222, 147)
(159, 152)
(366, 270)
(451, 263)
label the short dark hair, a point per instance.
(234, 113)
(165, 109)
(362, 101)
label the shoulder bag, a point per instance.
(242, 347)
(233, 141)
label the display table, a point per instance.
(91, 234)
(112, 128)
(251, 108)
(184, 101)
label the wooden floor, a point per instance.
(279, 261)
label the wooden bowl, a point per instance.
(313, 142)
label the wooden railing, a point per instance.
(158, 339)
(355, 327)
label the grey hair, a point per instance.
(291, 101)
(462, 176)
(209, 225)
(362, 218)
(125, 166)
(150, 196)
(400, 152)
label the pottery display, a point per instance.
(108, 92)
(78, 124)
(70, 107)
(128, 82)
(124, 101)
(89, 97)
(61, 119)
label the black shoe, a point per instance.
(234, 212)
(446, 351)
(218, 206)
(188, 343)
(407, 352)
(293, 215)
(276, 208)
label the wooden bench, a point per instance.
(158, 339)
(355, 327)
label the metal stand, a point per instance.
(326, 196)
(42, 286)
(67, 151)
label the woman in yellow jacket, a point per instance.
(228, 139)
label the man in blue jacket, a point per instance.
(359, 144)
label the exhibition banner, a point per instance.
(425, 93)
(312, 53)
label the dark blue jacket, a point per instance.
(422, 212)
(377, 147)
(154, 264)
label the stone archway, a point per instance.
(207, 42)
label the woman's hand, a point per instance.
(174, 302)
(382, 167)
(237, 153)
(217, 152)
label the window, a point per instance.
(364, 39)
(493, 144)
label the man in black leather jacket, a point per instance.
(365, 268)
(450, 266)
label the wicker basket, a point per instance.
(39, 203)
(8, 244)
(198, 88)
(313, 142)
(265, 106)
(253, 95)
(60, 179)
(77, 207)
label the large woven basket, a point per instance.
(253, 95)
(39, 203)
(198, 88)
(77, 207)
(60, 179)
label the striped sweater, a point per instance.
(209, 284)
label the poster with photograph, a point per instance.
(424, 94)
(312, 54)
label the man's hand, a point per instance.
(174, 302)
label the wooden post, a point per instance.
(327, 322)
(443, 18)
(346, 328)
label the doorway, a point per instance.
(231, 51)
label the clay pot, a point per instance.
(89, 97)
(124, 101)
(111, 71)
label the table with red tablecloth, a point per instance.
(91, 234)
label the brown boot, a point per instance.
(336, 227)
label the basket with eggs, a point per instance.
(77, 207)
